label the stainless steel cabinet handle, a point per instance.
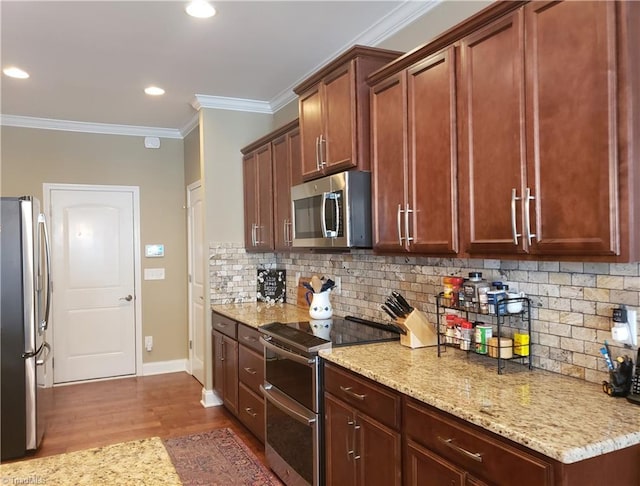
(351, 393)
(399, 216)
(322, 154)
(128, 298)
(250, 338)
(476, 456)
(318, 153)
(407, 233)
(527, 219)
(351, 448)
(251, 371)
(250, 411)
(253, 234)
(514, 230)
(356, 427)
(221, 350)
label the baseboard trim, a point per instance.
(160, 367)
(210, 399)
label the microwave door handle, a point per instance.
(323, 214)
(337, 206)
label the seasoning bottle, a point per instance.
(474, 288)
(466, 329)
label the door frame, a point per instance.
(137, 263)
(190, 267)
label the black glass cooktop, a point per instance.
(312, 335)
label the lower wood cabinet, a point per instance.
(225, 366)
(238, 371)
(360, 449)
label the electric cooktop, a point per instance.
(311, 336)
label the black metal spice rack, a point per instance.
(500, 316)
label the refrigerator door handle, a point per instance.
(31, 354)
(42, 361)
(44, 324)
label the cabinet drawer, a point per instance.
(251, 411)
(371, 398)
(247, 336)
(250, 369)
(483, 455)
(224, 325)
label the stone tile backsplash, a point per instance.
(572, 302)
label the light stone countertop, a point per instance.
(561, 417)
(257, 314)
(564, 418)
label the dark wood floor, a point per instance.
(107, 412)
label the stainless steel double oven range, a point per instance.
(293, 387)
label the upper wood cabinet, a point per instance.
(286, 173)
(414, 158)
(270, 168)
(258, 199)
(548, 115)
(334, 113)
(544, 152)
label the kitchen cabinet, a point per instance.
(362, 438)
(440, 446)
(286, 173)
(543, 133)
(334, 113)
(414, 158)
(258, 199)
(250, 376)
(225, 360)
(271, 165)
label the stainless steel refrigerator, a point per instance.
(25, 286)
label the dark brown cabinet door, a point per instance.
(258, 199)
(359, 449)
(571, 127)
(225, 370)
(492, 150)
(311, 126)
(281, 193)
(286, 173)
(230, 370)
(250, 185)
(424, 467)
(378, 449)
(337, 146)
(339, 442)
(388, 130)
(431, 91)
(264, 233)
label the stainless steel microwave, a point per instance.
(333, 212)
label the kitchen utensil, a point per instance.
(327, 285)
(395, 308)
(389, 313)
(402, 302)
(316, 283)
(378, 325)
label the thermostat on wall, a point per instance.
(152, 251)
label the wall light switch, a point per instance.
(154, 273)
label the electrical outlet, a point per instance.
(148, 343)
(338, 288)
(297, 278)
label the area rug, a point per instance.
(217, 458)
(139, 462)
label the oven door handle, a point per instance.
(288, 406)
(292, 356)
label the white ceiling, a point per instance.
(89, 61)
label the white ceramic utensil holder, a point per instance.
(320, 307)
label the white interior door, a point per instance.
(196, 280)
(93, 269)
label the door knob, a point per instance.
(128, 298)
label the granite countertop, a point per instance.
(564, 418)
(257, 314)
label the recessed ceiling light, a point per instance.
(154, 91)
(15, 72)
(200, 9)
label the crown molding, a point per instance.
(234, 104)
(190, 125)
(406, 13)
(74, 126)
